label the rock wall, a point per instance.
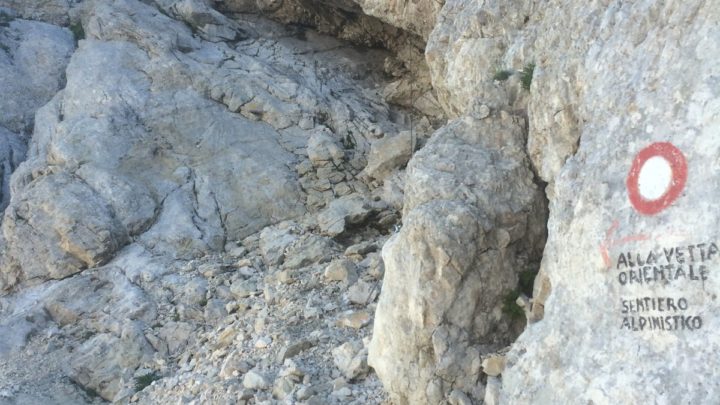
(613, 87)
(215, 201)
(472, 222)
(640, 79)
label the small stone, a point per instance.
(342, 189)
(342, 270)
(388, 154)
(285, 277)
(254, 380)
(343, 392)
(226, 337)
(215, 310)
(304, 167)
(322, 148)
(283, 387)
(304, 393)
(458, 397)
(359, 250)
(245, 394)
(355, 320)
(243, 289)
(306, 123)
(480, 111)
(492, 391)
(352, 209)
(311, 312)
(375, 266)
(362, 293)
(351, 359)
(233, 365)
(339, 383)
(263, 342)
(237, 252)
(247, 271)
(291, 369)
(494, 365)
(293, 349)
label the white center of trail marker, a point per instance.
(655, 178)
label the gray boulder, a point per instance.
(473, 220)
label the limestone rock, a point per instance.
(50, 11)
(233, 365)
(274, 241)
(458, 397)
(355, 319)
(323, 149)
(293, 349)
(104, 361)
(342, 270)
(473, 219)
(58, 226)
(348, 210)
(494, 365)
(308, 250)
(177, 335)
(601, 220)
(255, 380)
(12, 153)
(418, 17)
(362, 293)
(389, 153)
(492, 392)
(351, 359)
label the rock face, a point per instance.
(468, 46)
(33, 58)
(177, 205)
(214, 202)
(633, 274)
(473, 221)
(134, 135)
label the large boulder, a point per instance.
(473, 220)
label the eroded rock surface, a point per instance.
(205, 199)
(637, 84)
(171, 208)
(473, 221)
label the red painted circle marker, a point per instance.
(657, 177)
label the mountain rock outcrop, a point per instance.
(358, 201)
(632, 243)
(473, 221)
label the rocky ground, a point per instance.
(185, 301)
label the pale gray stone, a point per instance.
(105, 360)
(33, 57)
(342, 270)
(323, 148)
(473, 217)
(348, 210)
(580, 143)
(351, 359)
(255, 380)
(388, 154)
